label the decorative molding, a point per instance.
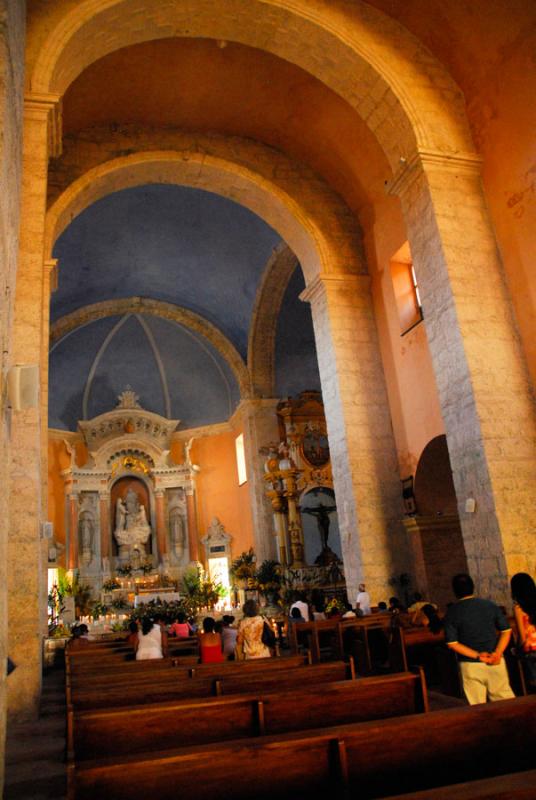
(318, 287)
(424, 160)
(49, 106)
(50, 266)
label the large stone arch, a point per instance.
(407, 98)
(262, 332)
(157, 308)
(308, 215)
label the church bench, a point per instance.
(514, 786)
(185, 667)
(95, 734)
(364, 760)
(170, 688)
(189, 663)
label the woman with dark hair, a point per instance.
(210, 647)
(250, 629)
(149, 640)
(524, 597)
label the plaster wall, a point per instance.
(409, 374)
(12, 33)
(218, 493)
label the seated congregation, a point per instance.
(306, 704)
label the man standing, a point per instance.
(478, 632)
(363, 600)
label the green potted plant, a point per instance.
(269, 580)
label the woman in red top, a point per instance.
(210, 645)
(524, 596)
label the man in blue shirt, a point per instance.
(478, 632)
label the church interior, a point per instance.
(268, 287)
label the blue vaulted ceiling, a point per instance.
(187, 247)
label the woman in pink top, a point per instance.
(181, 628)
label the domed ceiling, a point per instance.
(183, 246)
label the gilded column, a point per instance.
(160, 525)
(193, 536)
(26, 552)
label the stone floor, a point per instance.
(35, 751)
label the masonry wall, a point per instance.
(12, 32)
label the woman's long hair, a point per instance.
(524, 594)
(146, 625)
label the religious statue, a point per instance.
(176, 532)
(132, 529)
(322, 512)
(86, 537)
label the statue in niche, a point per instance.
(176, 532)
(86, 538)
(132, 529)
(322, 512)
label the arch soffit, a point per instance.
(311, 218)
(182, 316)
(262, 332)
(403, 93)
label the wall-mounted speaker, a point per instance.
(47, 530)
(23, 386)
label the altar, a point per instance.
(129, 508)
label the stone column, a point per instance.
(482, 380)
(72, 560)
(104, 514)
(50, 284)
(260, 427)
(193, 537)
(363, 455)
(26, 552)
(160, 525)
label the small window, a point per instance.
(240, 459)
(406, 288)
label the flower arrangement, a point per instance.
(335, 603)
(124, 571)
(243, 570)
(200, 591)
(99, 609)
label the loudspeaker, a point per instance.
(23, 386)
(47, 530)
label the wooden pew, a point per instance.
(95, 734)
(168, 689)
(175, 669)
(514, 786)
(362, 760)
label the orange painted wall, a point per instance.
(218, 492)
(409, 375)
(58, 460)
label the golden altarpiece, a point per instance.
(299, 484)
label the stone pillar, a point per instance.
(160, 525)
(482, 380)
(363, 455)
(26, 552)
(260, 427)
(50, 284)
(72, 559)
(104, 514)
(193, 537)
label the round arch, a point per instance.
(262, 332)
(406, 97)
(308, 215)
(156, 308)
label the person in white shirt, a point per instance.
(302, 605)
(363, 600)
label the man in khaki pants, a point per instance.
(478, 632)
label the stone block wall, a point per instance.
(12, 33)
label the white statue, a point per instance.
(176, 532)
(86, 536)
(131, 528)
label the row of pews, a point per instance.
(280, 728)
